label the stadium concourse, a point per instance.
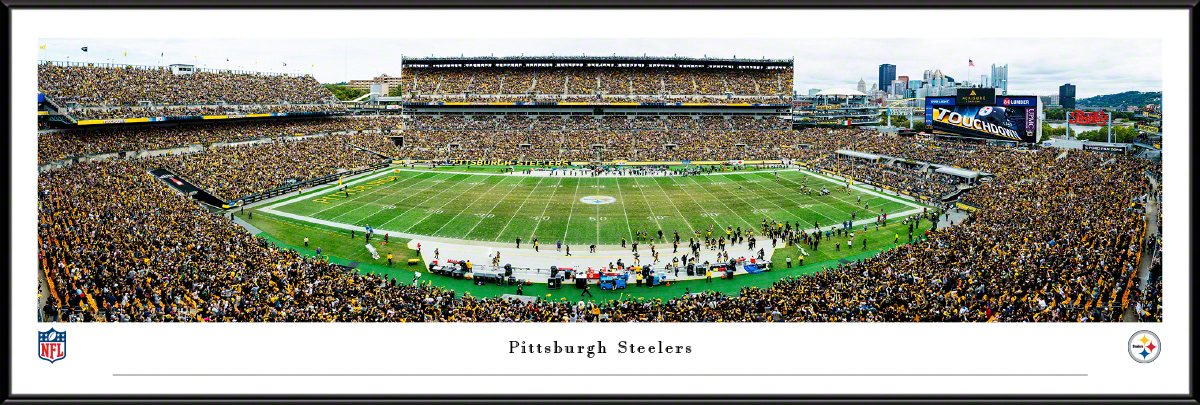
(1052, 236)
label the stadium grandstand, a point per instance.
(98, 93)
(230, 220)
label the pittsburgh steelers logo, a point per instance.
(598, 199)
(1144, 346)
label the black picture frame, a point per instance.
(8, 396)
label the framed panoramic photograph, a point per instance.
(570, 205)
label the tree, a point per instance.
(1048, 131)
(396, 91)
(344, 93)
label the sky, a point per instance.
(1096, 66)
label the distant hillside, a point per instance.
(1134, 98)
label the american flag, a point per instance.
(970, 62)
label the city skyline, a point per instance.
(1039, 67)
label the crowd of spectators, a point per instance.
(593, 80)
(128, 86)
(233, 172)
(108, 113)
(1054, 239)
(605, 99)
(62, 144)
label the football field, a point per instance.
(582, 210)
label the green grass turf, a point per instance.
(504, 207)
(882, 237)
(488, 169)
(339, 248)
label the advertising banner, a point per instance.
(1009, 118)
(975, 96)
(1106, 148)
(992, 122)
(1147, 128)
(1089, 117)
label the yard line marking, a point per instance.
(627, 226)
(477, 198)
(322, 189)
(381, 196)
(427, 188)
(568, 227)
(646, 201)
(859, 188)
(443, 191)
(772, 202)
(376, 212)
(518, 211)
(819, 201)
(397, 191)
(597, 215)
(357, 195)
(735, 213)
(547, 206)
(798, 203)
(704, 210)
(484, 216)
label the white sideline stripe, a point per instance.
(270, 210)
(381, 195)
(546, 174)
(868, 191)
(793, 201)
(323, 189)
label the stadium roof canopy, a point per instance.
(840, 92)
(433, 61)
(957, 172)
(860, 155)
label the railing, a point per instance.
(317, 181)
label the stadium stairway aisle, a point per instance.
(1147, 255)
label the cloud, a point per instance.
(1095, 66)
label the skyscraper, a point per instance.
(999, 79)
(903, 83)
(887, 73)
(862, 85)
(813, 92)
(1066, 95)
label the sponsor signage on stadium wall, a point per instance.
(511, 162)
(607, 104)
(1105, 148)
(1015, 121)
(975, 96)
(1147, 128)
(1089, 118)
(188, 117)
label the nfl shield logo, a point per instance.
(52, 345)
